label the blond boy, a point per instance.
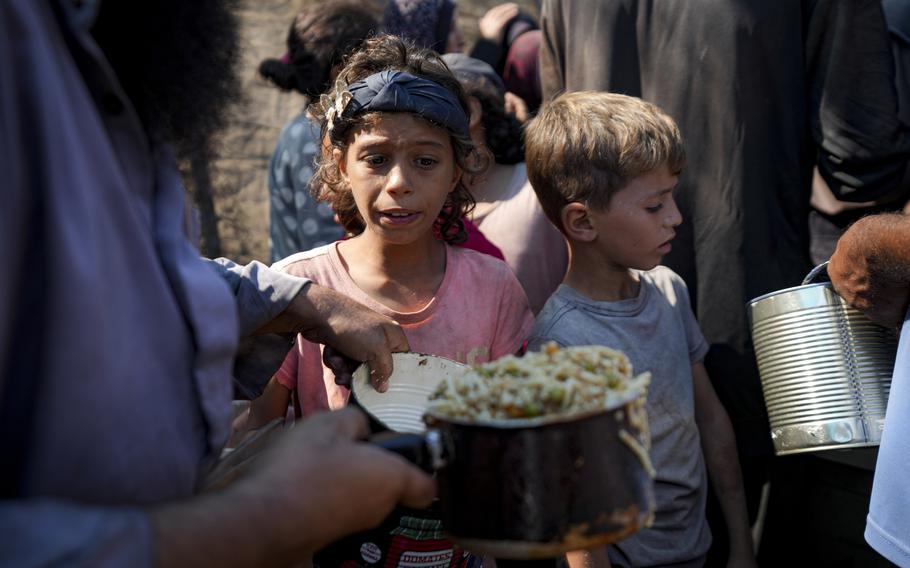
(604, 167)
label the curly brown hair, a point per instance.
(379, 54)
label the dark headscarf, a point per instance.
(521, 72)
(425, 22)
(397, 91)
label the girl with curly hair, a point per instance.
(396, 144)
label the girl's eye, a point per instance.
(654, 208)
(426, 162)
(375, 160)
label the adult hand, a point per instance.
(493, 24)
(324, 316)
(870, 268)
(340, 364)
(316, 485)
(326, 485)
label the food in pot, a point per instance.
(552, 381)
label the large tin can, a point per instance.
(825, 369)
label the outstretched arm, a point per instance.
(719, 447)
(271, 301)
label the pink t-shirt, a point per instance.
(479, 314)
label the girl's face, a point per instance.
(400, 170)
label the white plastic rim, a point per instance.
(414, 378)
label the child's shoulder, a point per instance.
(670, 285)
(559, 318)
(666, 281)
(661, 274)
(302, 263)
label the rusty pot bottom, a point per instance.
(577, 538)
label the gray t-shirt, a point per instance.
(658, 332)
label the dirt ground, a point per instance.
(239, 171)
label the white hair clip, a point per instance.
(341, 101)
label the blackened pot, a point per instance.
(539, 488)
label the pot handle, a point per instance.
(817, 274)
(423, 450)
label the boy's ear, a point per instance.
(338, 157)
(577, 222)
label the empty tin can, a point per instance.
(825, 368)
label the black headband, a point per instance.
(392, 90)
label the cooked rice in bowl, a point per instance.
(553, 381)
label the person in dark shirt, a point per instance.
(763, 92)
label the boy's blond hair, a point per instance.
(585, 146)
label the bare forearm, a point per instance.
(719, 448)
(722, 461)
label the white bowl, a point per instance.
(414, 378)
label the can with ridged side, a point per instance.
(825, 369)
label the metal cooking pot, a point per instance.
(825, 368)
(541, 487)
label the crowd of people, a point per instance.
(625, 174)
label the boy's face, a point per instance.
(636, 229)
(400, 171)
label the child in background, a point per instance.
(507, 210)
(604, 167)
(509, 42)
(321, 35)
(397, 125)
